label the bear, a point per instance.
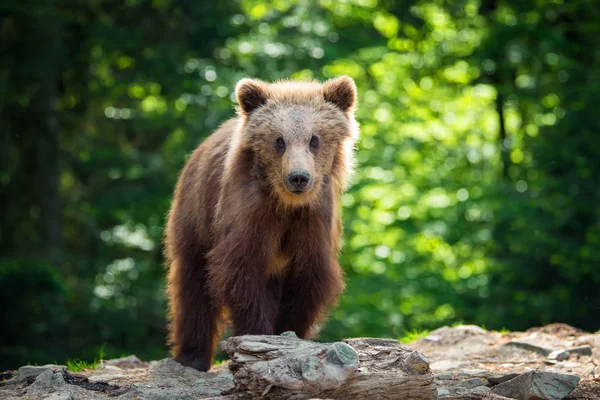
(254, 229)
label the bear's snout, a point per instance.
(298, 181)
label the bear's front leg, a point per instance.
(238, 273)
(306, 295)
(313, 280)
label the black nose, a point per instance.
(299, 180)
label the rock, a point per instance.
(128, 362)
(107, 378)
(51, 384)
(171, 380)
(530, 347)
(61, 396)
(433, 338)
(152, 391)
(473, 373)
(417, 362)
(540, 385)
(31, 371)
(471, 383)
(447, 335)
(466, 363)
(558, 355)
(444, 376)
(496, 379)
(215, 384)
(463, 389)
(49, 380)
(582, 350)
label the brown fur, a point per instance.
(238, 239)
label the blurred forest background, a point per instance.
(476, 197)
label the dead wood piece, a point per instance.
(285, 367)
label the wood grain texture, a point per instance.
(285, 367)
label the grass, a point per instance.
(77, 364)
(411, 336)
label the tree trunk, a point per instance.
(285, 367)
(30, 192)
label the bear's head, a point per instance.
(298, 136)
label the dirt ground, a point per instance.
(466, 360)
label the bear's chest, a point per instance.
(277, 265)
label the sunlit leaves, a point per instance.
(437, 228)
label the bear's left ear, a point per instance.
(251, 94)
(341, 92)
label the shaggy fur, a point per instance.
(238, 239)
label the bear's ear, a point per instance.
(341, 92)
(251, 94)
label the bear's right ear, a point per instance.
(251, 94)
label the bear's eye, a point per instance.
(280, 144)
(314, 143)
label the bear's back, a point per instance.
(200, 184)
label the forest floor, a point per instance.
(467, 362)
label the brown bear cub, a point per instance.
(254, 227)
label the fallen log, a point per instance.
(286, 367)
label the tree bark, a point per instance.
(504, 150)
(30, 188)
(285, 367)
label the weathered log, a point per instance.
(285, 367)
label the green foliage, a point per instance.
(76, 365)
(411, 336)
(476, 195)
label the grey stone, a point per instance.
(496, 379)
(433, 338)
(558, 355)
(342, 354)
(106, 377)
(444, 376)
(31, 371)
(470, 383)
(176, 381)
(480, 390)
(473, 372)
(128, 362)
(151, 391)
(530, 347)
(49, 380)
(582, 351)
(463, 389)
(214, 384)
(539, 385)
(61, 396)
(417, 362)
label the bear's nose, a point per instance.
(299, 180)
